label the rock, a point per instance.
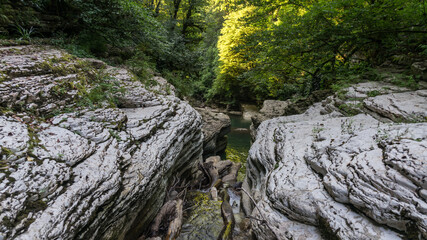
(276, 108)
(169, 215)
(213, 159)
(227, 217)
(161, 86)
(92, 173)
(406, 106)
(215, 127)
(214, 193)
(324, 175)
(370, 89)
(223, 167)
(249, 111)
(420, 68)
(211, 173)
(45, 80)
(95, 63)
(241, 130)
(231, 177)
(219, 172)
(237, 113)
(226, 171)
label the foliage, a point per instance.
(267, 46)
(25, 33)
(230, 51)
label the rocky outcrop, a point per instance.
(329, 174)
(73, 166)
(215, 127)
(420, 69)
(276, 108)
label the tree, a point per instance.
(305, 43)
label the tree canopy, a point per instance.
(228, 51)
(270, 49)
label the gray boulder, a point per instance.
(325, 175)
(96, 172)
(215, 127)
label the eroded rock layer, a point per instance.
(325, 175)
(215, 127)
(75, 171)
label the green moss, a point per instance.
(34, 140)
(317, 130)
(35, 206)
(28, 222)
(3, 76)
(351, 109)
(5, 111)
(4, 154)
(373, 93)
(29, 206)
(7, 222)
(228, 231)
(405, 81)
(93, 88)
(33, 143)
(200, 211)
(339, 86)
(410, 119)
(238, 157)
(6, 151)
(115, 135)
(56, 67)
(398, 79)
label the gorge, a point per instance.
(74, 170)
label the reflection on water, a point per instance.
(238, 143)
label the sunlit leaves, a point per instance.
(293, 41)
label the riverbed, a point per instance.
(238, 143)
(204, 216)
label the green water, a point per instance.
(238, 143)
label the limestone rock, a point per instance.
(215, 126)
(323, 175)
(91, 173)
(400, 106)
(276, 108)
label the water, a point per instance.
(203, 220)
(238, 143)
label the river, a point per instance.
(238, 143)
(204, 220)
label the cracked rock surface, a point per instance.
(326, 174)
(89, 173)
(215, 126)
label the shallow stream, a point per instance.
(204, 220)
(238, 143)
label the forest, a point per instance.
(213, 119)
(230, 51)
